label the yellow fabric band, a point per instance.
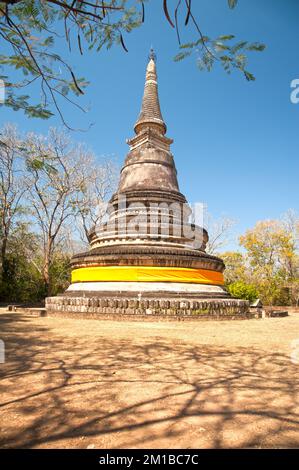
(146, 274)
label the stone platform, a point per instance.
(147, 307)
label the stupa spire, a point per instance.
(150, 114)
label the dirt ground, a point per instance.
(104, 384)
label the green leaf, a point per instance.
(249, 76)
(226, 37)
(240, 45)
(49, 41)
(241, 60)
(256, 46)
(225, 58)
(219, 46)
(182, 55)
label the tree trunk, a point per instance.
(46, 273)
(3, 257)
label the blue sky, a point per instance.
(235, 142)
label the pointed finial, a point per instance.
(150, 114)
(152, 55)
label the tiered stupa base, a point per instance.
(147, 283)
(145, 301)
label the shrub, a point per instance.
(241, 290)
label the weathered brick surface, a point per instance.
(147, 308)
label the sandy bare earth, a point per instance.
(104, 384)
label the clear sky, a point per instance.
(235, 142)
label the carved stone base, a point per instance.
(132, 308)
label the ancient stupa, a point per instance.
(148, 259)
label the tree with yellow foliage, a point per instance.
(272, 257)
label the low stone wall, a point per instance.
(281, 308)
(143, 309)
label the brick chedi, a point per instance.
(148, 260)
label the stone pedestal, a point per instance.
(153, 308)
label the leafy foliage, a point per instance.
(270, 262)
(235, 267)
(222, 50)
(241, 290)
(34, 30)
(23, 282)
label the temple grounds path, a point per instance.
(89, 384)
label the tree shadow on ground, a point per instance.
(76, 391)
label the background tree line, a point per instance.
(50, 192)
(268, 265)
